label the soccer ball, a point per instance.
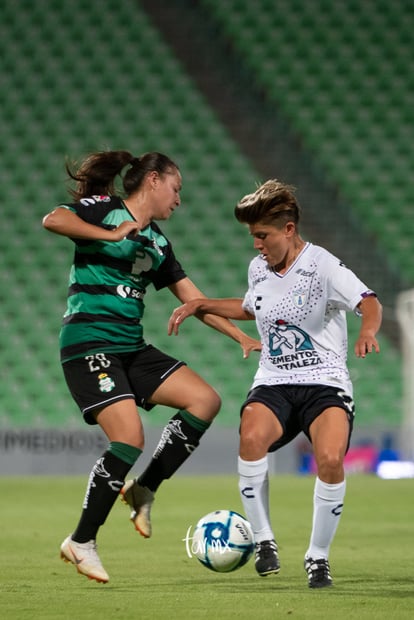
(223, 541)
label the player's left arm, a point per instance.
(371, 317)
(190, 296)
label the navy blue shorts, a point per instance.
(100, 379)
(297, 406)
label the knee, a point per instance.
(206, 404)
(330, 464)
(253, 444)
(214, 403)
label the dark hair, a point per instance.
(97, 173)
(272, 203)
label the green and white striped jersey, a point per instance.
(108, 281)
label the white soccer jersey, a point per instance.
(301, 318)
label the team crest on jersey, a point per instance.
(300, 298)
(106, 384)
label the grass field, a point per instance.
(372, 559)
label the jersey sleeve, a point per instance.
(170, 269)
(93, 210)
(344, 287)
(169, 272)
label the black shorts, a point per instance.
(297, 406)
(100, 379)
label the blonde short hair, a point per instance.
(272, 202)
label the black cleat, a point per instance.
(267, 559)
(319, 575)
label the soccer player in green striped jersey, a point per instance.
(110, 370)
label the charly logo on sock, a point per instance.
(337, 511)
(116, 485)
(248, 492)
(99, 470)
(173, 428)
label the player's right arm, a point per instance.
(230, 308)
(63, 221)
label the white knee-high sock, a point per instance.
(328, 501)
(254, 493)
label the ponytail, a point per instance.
(96, 175)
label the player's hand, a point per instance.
(249, 344)
(366, 343)
(180, 314)
(124, 229)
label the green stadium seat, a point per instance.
(82, 79)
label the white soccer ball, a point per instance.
(223, 541)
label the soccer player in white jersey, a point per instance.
(298, 294)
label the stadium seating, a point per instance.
(80, 80)
(89, 76)
(341, 73)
